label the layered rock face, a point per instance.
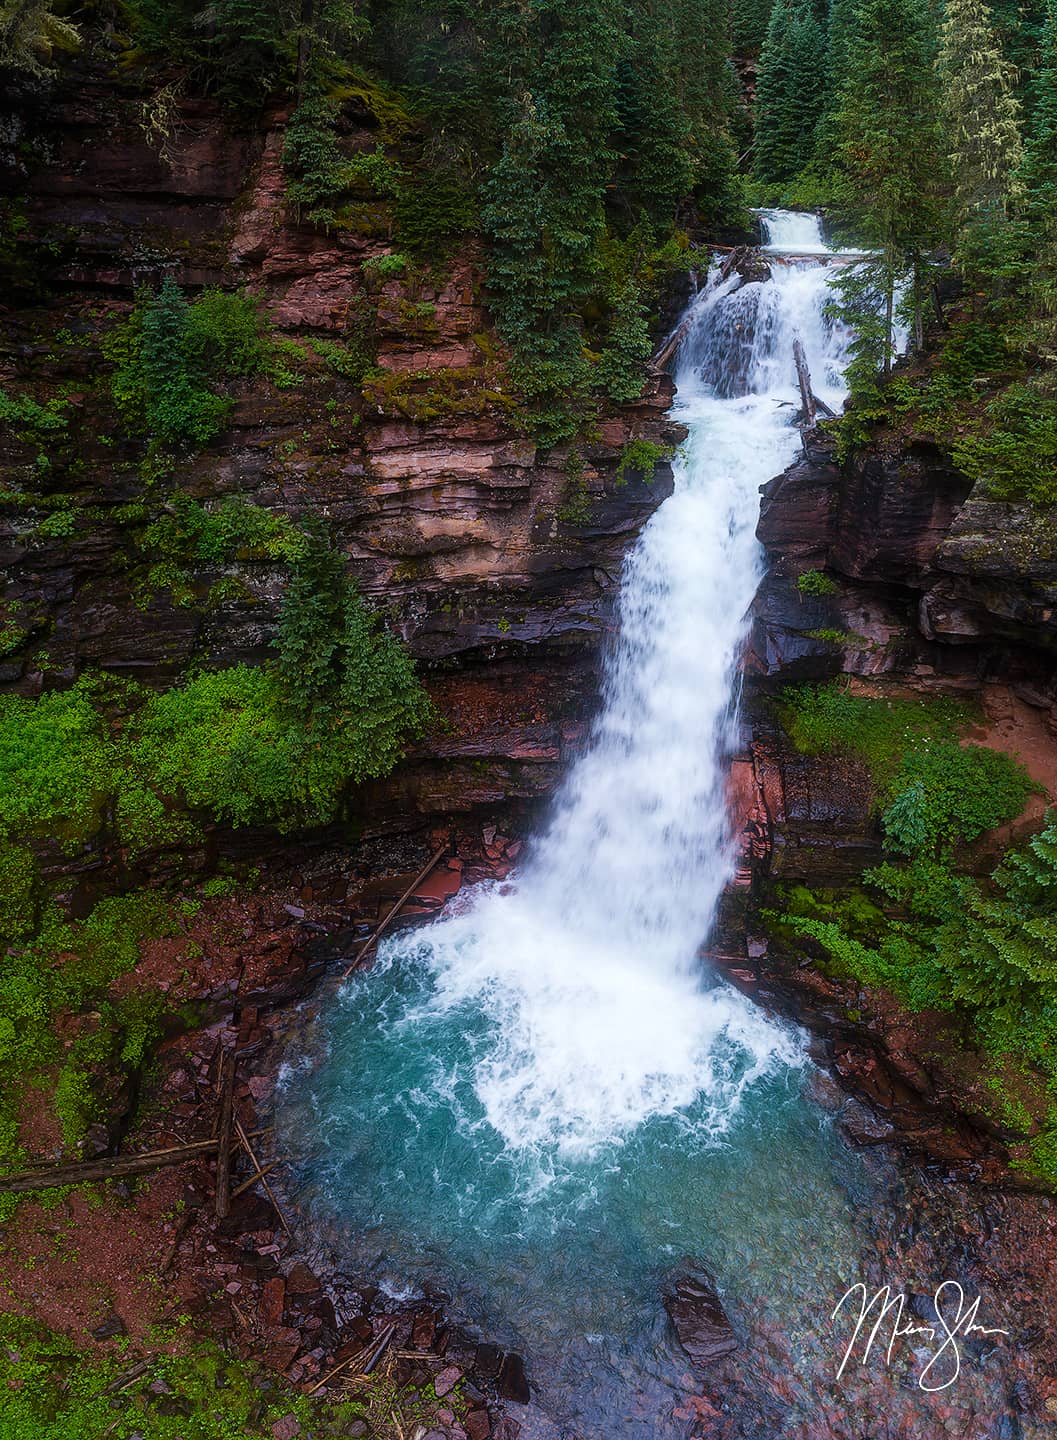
(932, 591)
(497, 563)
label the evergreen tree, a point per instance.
(982, 126)
(749, 20)
(30, 34)
(889, 152)
(789, 91)
(1039, 176)
(840, 28)
(1039, 171)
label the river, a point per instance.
(540, 1104)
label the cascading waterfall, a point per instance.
(546, 1097)
(588, 965)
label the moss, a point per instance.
(424, 395)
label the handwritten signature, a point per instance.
(884, 1307)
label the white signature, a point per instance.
(950, 1324)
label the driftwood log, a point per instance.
(110, 1167)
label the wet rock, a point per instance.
(487, 1361)
(423, 1331)
(110, 1327)
(301, 1280)
(862, 1126)
(700, 1322)
(513, 1384)
(477, 1425)
(447, 1380)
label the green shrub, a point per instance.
(826, 718)
(230, 529)
(1014, 453)
(57, 767)
(639, 457)
(319, 173)
(18, 893)
(945, 793)
(168, 354)
(433, 212)
(282, 746)
(814, 582)
(386, 267)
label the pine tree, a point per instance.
(840, 27)
(789, 91)
(1039, 179)
(30, 34)
(1039, 171)
(749, 19)
(982, 113)
(889, 150)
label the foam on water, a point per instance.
(539, 1103)
(793, 231)
(586, 965)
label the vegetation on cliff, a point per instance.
(932, 141)
(924, 927)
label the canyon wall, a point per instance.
(495, 561)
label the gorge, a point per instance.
(528, 724)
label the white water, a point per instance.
(586, 964)
(792, 231)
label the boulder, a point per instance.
(697, 1314)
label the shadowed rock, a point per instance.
(700, 1322)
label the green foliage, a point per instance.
(1014, 452)
(18, 892)
(340, 671)
(282, 746)
(945, 794)
(934, 791)
(31, 420)
(639, 457)
(621, 369)
(233, 528)
(68, 967)
(30, 34)
(54, 1390)
(814, 582)
(433, 212)
(575, 508)
(56, 766)
(827, 718)
(749, 20)
(320, 173)
(168, 354)
(983, 131)
(790, 91)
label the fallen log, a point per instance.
(108, 1168)
(803, 376)
(394, 911)
(260, 1168)
(227, 1096)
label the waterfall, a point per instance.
(586, 962)
(539, 1102)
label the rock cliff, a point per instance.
(495, 561)
(929, 590)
